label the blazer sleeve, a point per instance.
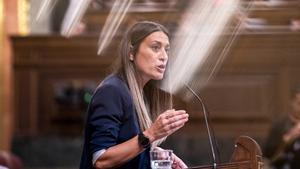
(106, 112)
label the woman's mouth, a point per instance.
(161, 68)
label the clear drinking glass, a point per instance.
(161, 159)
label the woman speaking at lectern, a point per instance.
(128, 115)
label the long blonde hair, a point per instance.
(149, 100)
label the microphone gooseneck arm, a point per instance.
(206, 123)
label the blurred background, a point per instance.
(46, 79)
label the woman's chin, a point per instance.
(158, 77)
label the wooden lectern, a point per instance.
(247, 155)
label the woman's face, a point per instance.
(152, 56)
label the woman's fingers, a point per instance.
(178, 118)
(171, 113)
(175, 120)
(167, 123)
(178, 163)
(177, 124)
(175, 129)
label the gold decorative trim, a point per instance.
(23, 16)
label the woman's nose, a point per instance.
(163, 55)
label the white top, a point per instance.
(96, 155)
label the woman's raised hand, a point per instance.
(166, 124)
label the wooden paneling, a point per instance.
(68, 116)
(45, 64)
(251, 87)
(266, 51)
(162, 13)
(276, 15)
(25, 101)
(237, 97)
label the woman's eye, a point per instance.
(155, 48)
(167, 50)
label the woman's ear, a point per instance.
(131, 57)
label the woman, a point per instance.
(119, 130)
(282, 146)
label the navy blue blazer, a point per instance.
(111, 120)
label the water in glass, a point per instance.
(161, 164)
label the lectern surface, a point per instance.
(247, 155)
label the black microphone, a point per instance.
(207, 125)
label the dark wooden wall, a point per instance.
(252, 86)
(47, 62)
